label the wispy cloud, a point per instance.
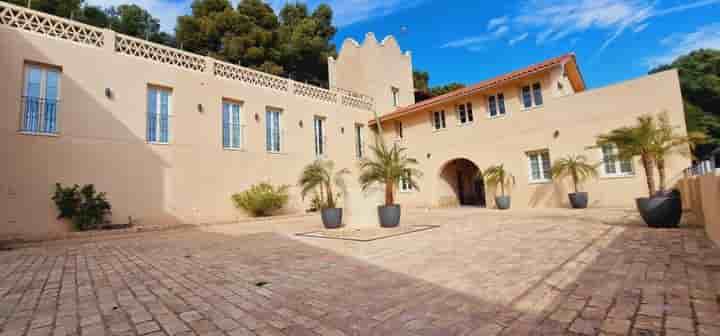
(679, 44)
(520, 38)
(348, 12)
(498, 21)
(554, 20)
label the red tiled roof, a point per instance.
(484, 85)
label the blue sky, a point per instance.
(468, 40)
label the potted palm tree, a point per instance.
(321, 175)
(652, 140)
(497, 176)
(579, 169)
(387, 166)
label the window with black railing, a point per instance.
(39, 105)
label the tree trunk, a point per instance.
(575, 180)
(661, 173)
(502, 187)
(389, 197)
(648, 165)
(330, 197)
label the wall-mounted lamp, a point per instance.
(108, 93)
(556, 134)
(342, 130)
(300, 123)
(257, 117)
(428, 155)
(200, 108)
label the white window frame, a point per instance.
(546, 176)
(43, 99)
(395, 96)
(404, 185)
(231, 124)
(616, 162)
(532, 90)
(272, 144)
(399, 131)
(467, 110)
(359, 141)
(495, 99)
(158, 115)
(439, 116)
(320, 136)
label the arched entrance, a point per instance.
(461, 184)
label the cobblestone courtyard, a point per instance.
(482, 272)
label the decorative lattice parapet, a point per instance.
(314, 92)
(155, 52)
(49, 25)
(355, 102)
(250, 77)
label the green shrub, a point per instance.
(84, 206)
(262, 199)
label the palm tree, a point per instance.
(321, 175)
(667, 142)
(577, 166)
(652, 140)
(388, 166)
(634, 141)
(497, 175)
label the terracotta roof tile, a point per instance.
(484, 85)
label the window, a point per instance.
(398, 129)
(40, 100)
(158, 118)
(272, 130)
(405, 185)
(319, 124)
(359, 141)
(465, 113)
(232, 125)
(539, 166)
(496, 105)
(612, 165)
(396, 96)
(438, 119)
(532, 95)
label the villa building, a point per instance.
(170, 135)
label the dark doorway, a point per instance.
(464, 177)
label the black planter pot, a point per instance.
(332, 217)
(578, 200)
(502, 202)
(660, 211)
(389, 215)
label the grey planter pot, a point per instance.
(660, 211)
(502, 202)
(389, 215)
(332, 217)
(578, 200)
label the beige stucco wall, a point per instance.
(102, 140)
(701, 197)
(577, 118)
(374, 68)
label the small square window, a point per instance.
(496, 105)
(438, 119)
(539, 162)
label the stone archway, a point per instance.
(460, 184)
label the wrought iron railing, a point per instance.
(39, 115)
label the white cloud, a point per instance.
(640, 28)
(498, 21)
(554, 20)
(520, 38)
(347, 12)
(679, 44)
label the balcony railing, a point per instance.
(39, 115)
